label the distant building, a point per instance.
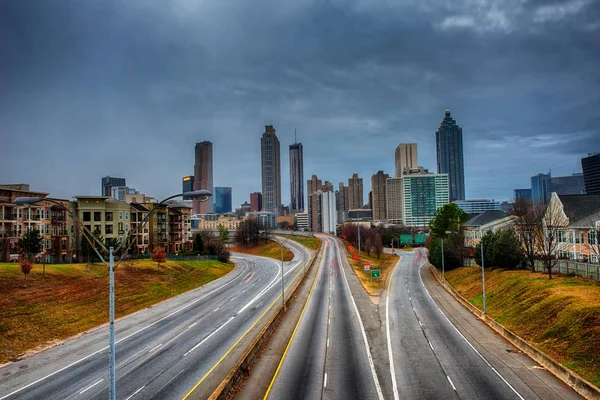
(297, 176)
(302, 221)
(222, 198)
(139, 198)
(591, 173)
(271, 170)
(562, 185)
(378, 190)
(255, 201)
(203, 175)
(363, 214)
(355, 192)
(266, 219)
(522, 194)
(394, 203)
(187, 185)
(328, 186)
(449, 144)
(322, 212)
(120, 192)
(314, 184)
(244, 209)
(477, 206)
(540, 189)
(422, 195)
(478, 225)
(108, 182)
(405, 157)
(343, 203)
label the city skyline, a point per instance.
(523, 111)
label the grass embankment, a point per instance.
(312, 243)
(270, 249)
(72, 298)
(373, 287)
(559, 316)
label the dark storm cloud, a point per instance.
(127, 88)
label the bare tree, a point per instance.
(552, 222)
(528, 224)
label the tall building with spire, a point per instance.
(203, 176)
(271, 170)
(296, 176)
(449, 145)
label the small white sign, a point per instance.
(367, 267)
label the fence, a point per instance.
(173, 257)
(565, 267)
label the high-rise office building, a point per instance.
(378, 190)
(296, 177)
(563, 185)
(477, 206)
(271, 170)
(540, 189)
(322, 212)
(355, 192)
(203, 176)
(343, 203)
(187, 185)
(120, 192)
(405, 157)
(108, 182)
(522, 194)
(591, 173)
(394, 201)
(422, 195)
(222, 200)
(449, 145)
(256, 202)
(314, 184)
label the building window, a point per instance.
(87, 216)
(120, 215)
(108, 216)
(126, 227)
(120, 227)
(126, 214)
(97, 216)
(562, 237)
(108, 229)
(20, 211)
(592, 237)
(48, 244)
(47, 214)
(72, 228)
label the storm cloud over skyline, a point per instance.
(97, 88)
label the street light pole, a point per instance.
(111, 331)
(282, 283)
(443, 276)
(483, 278)
(358, 224)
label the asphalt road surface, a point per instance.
(161, 352)
(328, 357)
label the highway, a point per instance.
(164, 351)
(328, 356)
(430, 358)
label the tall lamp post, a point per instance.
(482, 270)
(282, 283)
(201, 195)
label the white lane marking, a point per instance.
(465, 339)
(208, 337)
(389, 341)
(420, 324)
(136, 392)
(430, 345)
(89, 387)
(327, 342)
(192, 324)
(325, 381)
(329, 321)
(362, 327)
(451, 384)
(126, 337)
(154, 348)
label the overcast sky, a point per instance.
(126, 88)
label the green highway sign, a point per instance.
(375, 273)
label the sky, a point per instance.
(126, 88)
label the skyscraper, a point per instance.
(222, 200)
(187, 185)
(422, 195)
(394, 202)
(355, 192)
(405, 156)
(378, 188)
(271, 170)
(256, 202)
(108, 182)
(296, 177)
(203, 176)
(540, 189)
(449, 144)
(572, 184)
(343, 203)
(522, 194)
(591, 173)
(314, 184)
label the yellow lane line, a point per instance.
(295, 328)
(238, 341)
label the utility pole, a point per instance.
(111, 332)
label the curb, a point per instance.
(575, 381)
(229, 385)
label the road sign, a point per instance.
(375, 273)
(367, 267)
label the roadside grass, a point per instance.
(373, 287)
(270, 249)
(312, 243)
(73, 298)
(559, 316)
